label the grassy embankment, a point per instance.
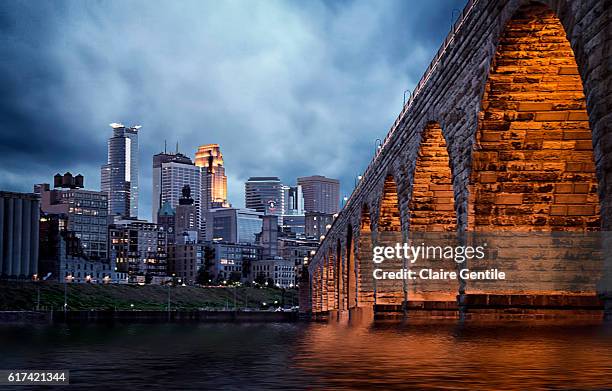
(23, 296)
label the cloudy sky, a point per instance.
(287, 88)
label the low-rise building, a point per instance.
(231, 262)
(233, 225)
(185, 258)
(297, 250)
(278, 271)
(85, 211)
(317, 224)
(139, 248)
(62, 257)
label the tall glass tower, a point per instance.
(119, 177)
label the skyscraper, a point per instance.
(214, 182)
(264, 194)
(171, 172)
(321, 194)
(119, 176)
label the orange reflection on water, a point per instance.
(519, 355)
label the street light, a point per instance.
(377, 146)
(70, 278)
(357, 179)
(37, 281)
(405, 96)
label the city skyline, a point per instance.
(249, 90)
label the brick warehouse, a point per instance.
(509, 129)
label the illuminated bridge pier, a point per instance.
(510, 129)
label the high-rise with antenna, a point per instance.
(172, 172)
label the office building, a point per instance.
(119, 176)
(233, 225)
(62, 258)
(185, 259)
(321, 194)
(232, 261)
(278, 272)
(293, 200)
(268, 239)
(186, 216)
(297, 250)
(317, 224)
(171, 172)
(19, 234)
(293, 226)
(166, 221)
(85, 212)
(264, 194)
(138, 248)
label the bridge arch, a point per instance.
(532, 165)
(432, 204)
(389, 232)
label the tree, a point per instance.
(260, 279)
(204, 277)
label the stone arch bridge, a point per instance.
(510, 128)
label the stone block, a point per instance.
(570, 198)
(551, 116)
(509, 199)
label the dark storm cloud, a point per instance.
(287, 88)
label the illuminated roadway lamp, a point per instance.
(357, 179)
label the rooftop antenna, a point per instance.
(177, 148)
(165, 146)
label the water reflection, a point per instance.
(425, 355)
(477, 356)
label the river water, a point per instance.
(427, 355)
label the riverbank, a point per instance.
(136, 316)
(50, 296)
